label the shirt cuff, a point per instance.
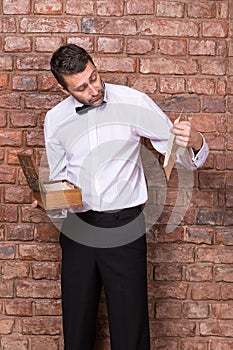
(199, 158)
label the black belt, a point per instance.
(109, 219)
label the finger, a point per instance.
(34, 204)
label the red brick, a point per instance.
(47, 83)
(15, 269)
(116, 26)
(222, 310)
(119, 79)
(74, 7)
(137, 7)
(166, 272)
(166, 290)
(205, 291)
(48, 7)
(17, 194)
(199, 272)
(35, 63)
(38, 289)
(83, 41)
(168, 309)
(40, 252)
(10, 138)
(24, 83)
(164, 253)
(214, 29)
(216, 255)
(204, 122)
(10, 100)
(222, 48)
(114, 64)
(18, 308)
(173, 47)
(8, 24)
(4, 81)
(199, 235)
(3, 119)
(14, 342)
(222, 10)
(6, 63)
(173, 328)
(210, 217)
(202, 47)
(214, 180)
(17, 43)
(226, 291)
(7, 175)
(224, 236)
(228, 218)
(46, 233)
(221, 87)
(167, 27)
(44, 342)
(202, 10)
(223, 273)
(46, 270)
(21, 232)
(163, 65)
(23, 119)
(214, 105)
(198, 344)
(30, 214)
(203, 199)
(48, 25)
(220, 162)
(8, 213)
(16, 7)
(6, 290)
(216, 328)
(136, 46)
(6, 325)
(170, 9)
(201, 86)
(221, 344)
(145, 84)
(48, 308)
(7, 251)
(195, 310)
(35, 138)
(109, 45)
(213, 66)
(166, 344)
(42, 101)
(110, 8)
(172, 85)
(42, 325)
(47, 44)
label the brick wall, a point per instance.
(181, 54)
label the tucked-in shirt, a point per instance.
(99, 151)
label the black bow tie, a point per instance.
(85, 108)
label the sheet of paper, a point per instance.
(170, 156)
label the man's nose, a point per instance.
(93, 90)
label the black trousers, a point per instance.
(121, 271)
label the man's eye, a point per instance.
(93, 78)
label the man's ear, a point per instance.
(63, 90)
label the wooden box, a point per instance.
(59, 194)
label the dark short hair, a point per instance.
(69, 59)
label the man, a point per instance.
(93, 140)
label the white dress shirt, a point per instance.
(99, 151)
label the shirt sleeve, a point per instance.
(160, 132)
(57, 162)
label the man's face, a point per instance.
(86, 86)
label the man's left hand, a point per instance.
(187, 136)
